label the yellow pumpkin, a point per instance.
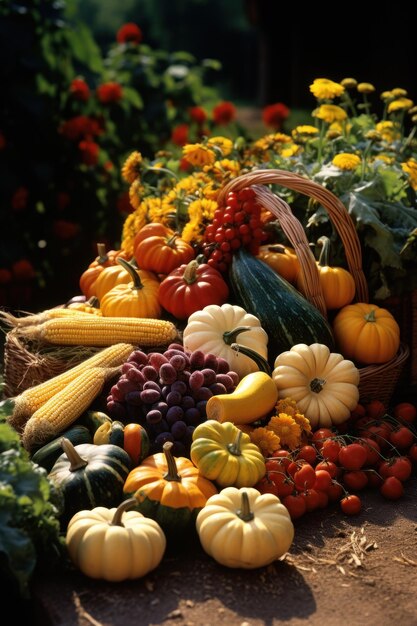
(138, 298)
(117, 275)
(242, 528)
(224, 453)
(282, 259)
(323, 384)
(215, 329)
(114, 544)
(366, 333)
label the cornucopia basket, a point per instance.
(376, 381)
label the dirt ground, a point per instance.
(340, 570)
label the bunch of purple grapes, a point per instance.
(167, 392)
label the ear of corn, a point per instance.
(39, 318)
(30, 400)
(60, 411)
(103, 331)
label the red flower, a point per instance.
(79, 127)
(224, 113)
(123, 204)
(79, 89)
(129, 32)
(109, 92)
(274, 114)
(20, 199)
(179, 134)
(89, 152)
(198, 115)
(23, 270)
(2, 141)
(65, 230)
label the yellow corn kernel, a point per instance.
(30, 400)
(60, 411)
(103, 331)
(39, 318)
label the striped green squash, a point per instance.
(284, 313)
(49, 453)
(90, 476)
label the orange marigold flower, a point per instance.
(286, 405)
(79, 89)
(179, 134)
(287, 430)
(266, 440)
(109, 92)
(89, 152)
(198, 115)
(129, 33)
(224, 113)
(274, 115)
(303, 422)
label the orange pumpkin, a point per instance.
(138, 298)
(162, 254)
(116, 275)
(366, 333)
(153, 229)
(337, 284)
(90, 275)
(282, 259)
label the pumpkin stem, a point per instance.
(244, 512)
(93, 301)
(229, 336)
(171, 240)
(76, 462)
(277, 247)
(137, 283)
(325, 251)
(190, 272)
(102, 254)
(317, 384)
(370, 317)
(123, 506)
(262, 363)
(172, 473)
(234, 448)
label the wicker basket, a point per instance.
(376, 381)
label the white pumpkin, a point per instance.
(323, 384)
(244, 528)
(206, 330)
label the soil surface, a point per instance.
(339, 571)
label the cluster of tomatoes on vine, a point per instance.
(375, 450)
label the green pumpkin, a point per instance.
(51, 451)
(90, 476)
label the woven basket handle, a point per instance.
(294, 230)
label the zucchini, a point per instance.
(284, 313)
(49, 453)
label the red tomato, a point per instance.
(323, 480)
(308, 453)
(266, 485)
(312, 499)
(320, 435)
(283, 483)
(335, 491)
(294, 466)
(380, 433)
(373, 451)
(352, 456)
(351, 505)
(375, 409)
(283, 457)
(323, 499)
(412, 453)
(405, 412)
(330, 450)
(402, 438)
(295, 504)
(392, 488)
(355, 480)
(358, 411)
(329, 467)
(374, 478)
(305, 477)
(399, 466)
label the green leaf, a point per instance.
(133, 97)
(85, 48)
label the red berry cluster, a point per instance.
(236, 225)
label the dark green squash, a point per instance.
(49, 453)
(90, 476)
(93, 420)
(284, 313)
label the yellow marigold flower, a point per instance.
(290, 151)
(136, 191)
(198, 155)
(387, 95)
(286, 405)
(280, 138)
(131, 167)
(365, 88)
(330, 113)
(346, 161)
(401, 104)
(414, 119)
(153, 208)
(325, 89)
(303, 422)
(333, 133)
(224, 168)
(410, 168)
(349, 83)
(389, 131)
(210, 191)
(398, 92)
(304, 129)
(384, 158)
(373, 135)
(413, 110)
(128, 233)
(225, 144)
(266, 440)
(287, 430)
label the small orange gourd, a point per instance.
(90, 275)
(162, 254)
(282, 259)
